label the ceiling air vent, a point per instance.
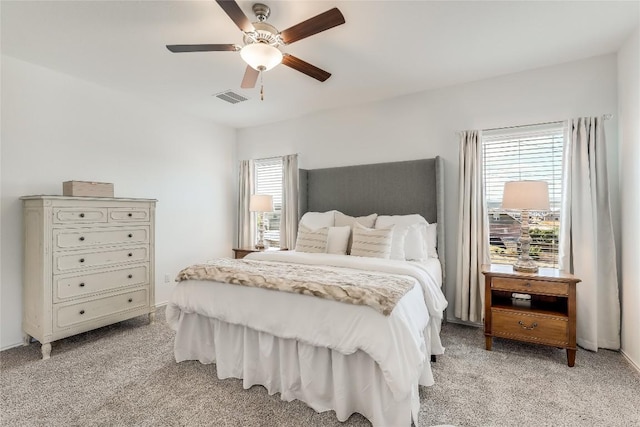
(231, 97)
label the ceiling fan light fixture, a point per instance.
(261, 56)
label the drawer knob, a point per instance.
(130, 254)
(130, 215)
(528, 328)
(82, 238)
(82, 215)
(130, 299)
(527, 284)
(81, 259)
(82, 285)
(81, 311)
(130, 276)
(130, 235)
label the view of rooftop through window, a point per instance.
(517, 154)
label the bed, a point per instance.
(332, 355)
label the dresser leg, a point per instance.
(152, 317)
(571, 357)
(26, 339)
(46, 351)
(488, 341)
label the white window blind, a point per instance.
(516, 154)
(268, 176)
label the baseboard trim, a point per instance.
(631, 362)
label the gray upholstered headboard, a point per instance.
(397, 188)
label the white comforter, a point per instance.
(399, 343)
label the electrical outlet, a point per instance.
(167, 278)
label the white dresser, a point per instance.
(88, 262)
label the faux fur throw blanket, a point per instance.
(381, 291)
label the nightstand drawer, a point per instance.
(532, 327)
(540, 287)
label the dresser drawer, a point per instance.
(540, 287)
(532, 327)
(67, 261)
(128, 214)
(79, 215)
(79, 238)
(68, 287)
(69, 315)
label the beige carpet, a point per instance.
(125, 375)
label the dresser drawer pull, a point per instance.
(130, 235)
(130, 254)
(81, 311)
(82, 238)
(81, 215)
(81, 259)
(130, 299)
(130, 215)
(82, 285)
(527, 285)
(528, 328)
(130, 276)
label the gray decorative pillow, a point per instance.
(313, 241)
(372, 242)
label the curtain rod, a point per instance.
(275, 157)
(604, 117)
(521, 126)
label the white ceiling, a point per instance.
(385, 49)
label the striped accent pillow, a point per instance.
(314, 241)
(371, 242)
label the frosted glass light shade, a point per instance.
(530, 195)
(261, 56)
(261, 203)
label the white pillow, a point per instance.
(338, 240)
(431, 240)
(313, 241)
(316, 220)
(366, 221)
(398, 241)
(371, 242)
(413, 247)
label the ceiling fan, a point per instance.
(262, 41)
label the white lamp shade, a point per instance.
(261, 56)
(261, 203)
(530, 195)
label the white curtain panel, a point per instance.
(246, 221)
(473, 230)
(289, 219)
(587, 247)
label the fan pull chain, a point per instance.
(261, 88)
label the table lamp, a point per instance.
(261, 203)
(525, 196)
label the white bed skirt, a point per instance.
(322, 378)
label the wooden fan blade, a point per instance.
(304, 67)
(179, 48)
(250, 78)
(329, 19)
(236, 14)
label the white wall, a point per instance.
(629, 111)
(424, 125)
(57, 128)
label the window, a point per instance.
(515, 154)
(268, 176)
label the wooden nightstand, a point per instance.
(239, 253)
(548, 318)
